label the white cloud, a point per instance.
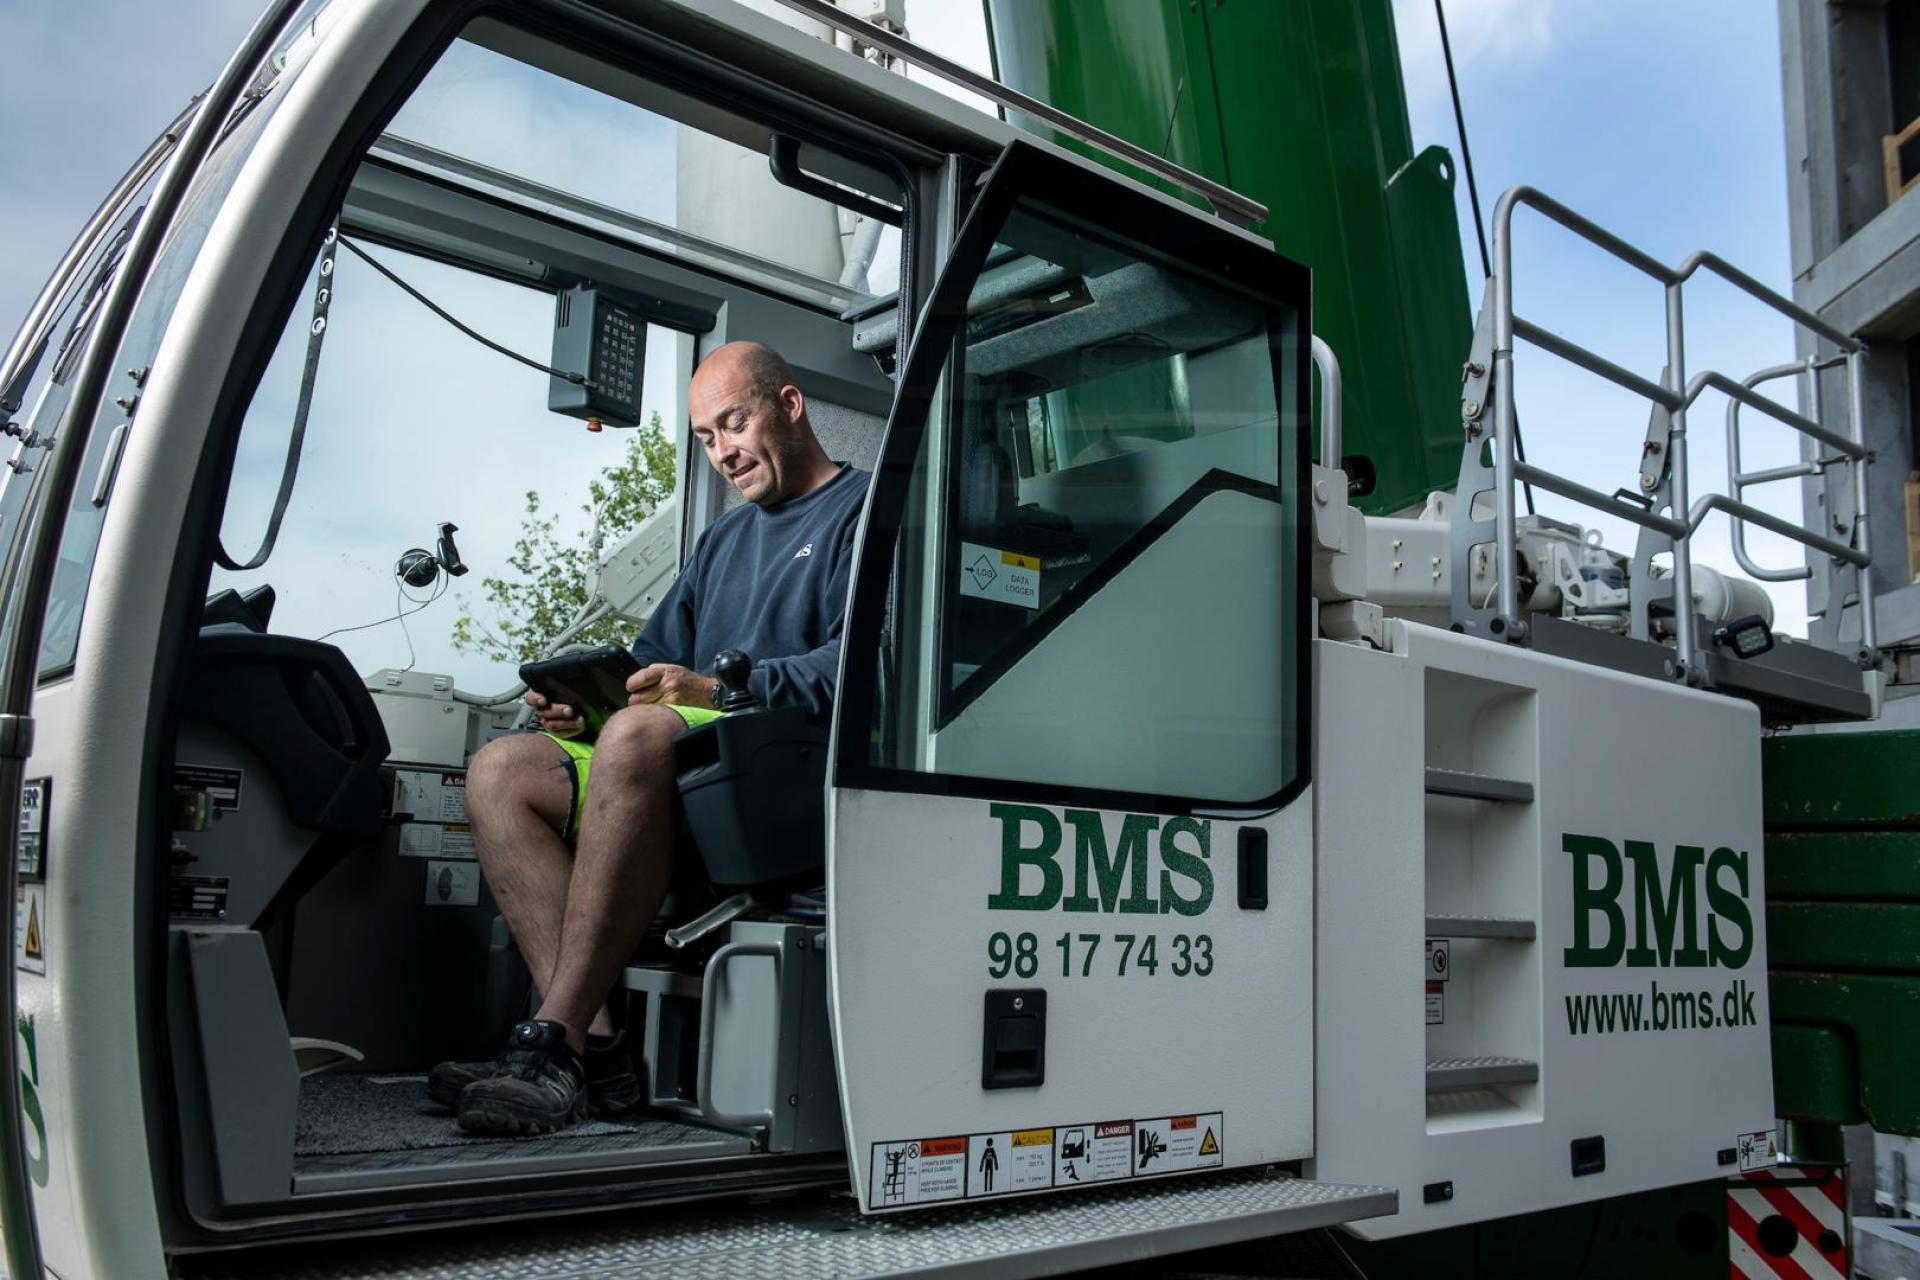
(1483, 33)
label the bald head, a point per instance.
(751, 419)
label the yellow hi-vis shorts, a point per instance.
(580, 761)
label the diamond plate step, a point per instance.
(811, 1237)
(1477, 1073)
(1508, 927)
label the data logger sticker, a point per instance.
(1007, 577)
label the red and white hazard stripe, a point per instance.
(1779, 1219)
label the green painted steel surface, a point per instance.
(1816, 1075)
(1299, 105)
(1843, 926)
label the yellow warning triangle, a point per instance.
(33, 929)
(1208, 1147)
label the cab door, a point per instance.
(1070, 833)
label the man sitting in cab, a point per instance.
(576, 837)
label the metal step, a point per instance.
(815, 1236)
(1477, 1073)
(1511, 928)
(1477, 786)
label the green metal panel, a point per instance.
(1839, 865)
(1300, 105)
(1845, 780)
(1881, 1016)
(1843, 926)
(1872, 937)
(1816, 1075)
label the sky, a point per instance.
(1662, 121)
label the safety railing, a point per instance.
(1675, 393)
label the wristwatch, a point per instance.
(715, 696)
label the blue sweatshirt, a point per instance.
(772, 583)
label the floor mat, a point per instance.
(350, 1114)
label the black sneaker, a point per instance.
(544, 1087)
(613, 1084)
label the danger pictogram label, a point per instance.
(30, 928)
(1209, 1145)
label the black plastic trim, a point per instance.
(1026, 173)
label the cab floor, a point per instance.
(372, 1120)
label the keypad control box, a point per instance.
(597, 335)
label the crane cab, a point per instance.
(442, 256)
(1144, 798)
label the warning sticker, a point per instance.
(1439, 960)
(998, 1163)
(221, 785)
(30, 848)
(1756, 1150)
(453, 884)
(432, 840)
(1093, 1152)
(918, 1171)
(1436, 1004)
(924, 1170)
(988, 573)
(1177, 1143)
(430, 796)
(30, 928)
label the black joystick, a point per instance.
(731, 669)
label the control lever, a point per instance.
(732, 669)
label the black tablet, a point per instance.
(593, 681)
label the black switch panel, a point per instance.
(1013, 1044)
(1253, 869)
(1589, 1156)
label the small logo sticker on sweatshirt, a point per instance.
(803, 552)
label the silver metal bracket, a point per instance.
(715, 917)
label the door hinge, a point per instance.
(16, 737)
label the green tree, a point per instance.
(553, 579)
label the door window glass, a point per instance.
(1097, 581)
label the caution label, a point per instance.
(30, 851)
(988, 573)
(925, 1170)
(1176, 1144)
(1436, 1004)
(999, 1163)
(30, 928)
(1439, 960)
(427, 795)
(221, 785)
(918, 1171)
(453, 884)
(1757, 1150)
(1093, 1153)
(432, 840)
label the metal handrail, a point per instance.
(1224, 199)
(1675, 393)
(1739, 479)
(1330, 404)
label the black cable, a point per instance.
(1460, 124)
(1473, 198)
(579, 379)
(399, 616)
(302, 409)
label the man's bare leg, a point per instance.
(519, 791)
(623, 858)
